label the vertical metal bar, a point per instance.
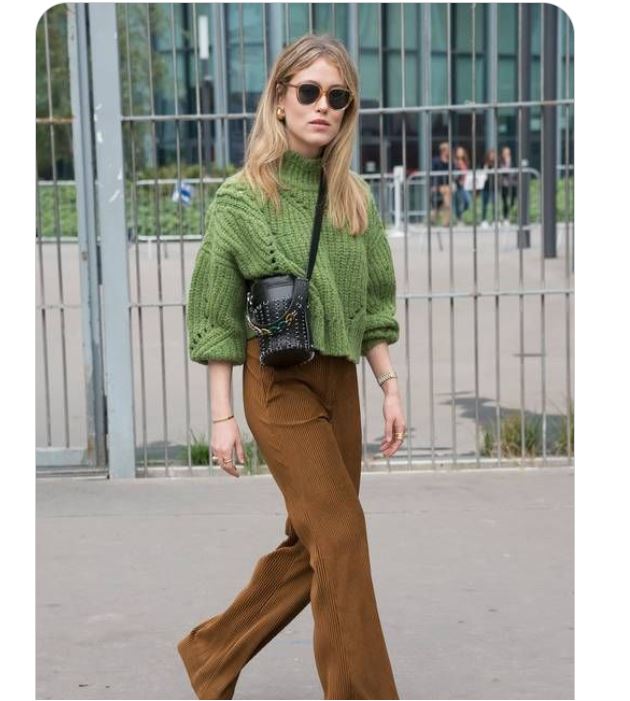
(207, 126)
(406, 231)
(42, 302)
(524, 61)
(57, 220)
(568, 248)
(492, 67)
(522, 39)
(158, 231)
(225, 156)
(549, 88)
(427, 128)
(241, 44)
(277, 16)
(138, 275)
(86, 233)
(493, 59)
(451, 262)
(545, 178)
(183, 291)
(381, 10)
(385, 165)
(475, 262)
(495, 188)
(202, 36)
(560, 20)
(353, 49)
(265, 29)
(111, 211)
(180, 227)
(220, 83)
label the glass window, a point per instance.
(393, 80)
(255, 68)
(462, 22)
(438, 80)
(507, 27)
(368, 25)
(412, 25)
(246, 63)
(298, 19)
(392, 25)
(339, 21)
(462, 89)
(438, 27)
(535, 80)
(369, 79)
(322, 17)
(507, 79)
(566, 43)
(412, 79)
(535, 21)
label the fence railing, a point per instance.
(486, 315)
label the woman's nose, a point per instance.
(322, 105)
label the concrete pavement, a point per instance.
(473, 573)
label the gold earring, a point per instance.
(280, 113)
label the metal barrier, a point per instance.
(485, 355)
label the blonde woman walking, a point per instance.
(305, 418)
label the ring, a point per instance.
(399, 434)
(225, 462)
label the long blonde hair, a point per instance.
(347, 193)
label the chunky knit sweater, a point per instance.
(352, 292)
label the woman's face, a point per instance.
(304, 137)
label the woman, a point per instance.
(508, 184)
(462, 196)
(305, 419)
(487, 194)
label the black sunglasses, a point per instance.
(308, 93)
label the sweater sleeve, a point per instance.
(381, 323)
(215, 314)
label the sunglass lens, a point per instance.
(308, 93)
(339, 98)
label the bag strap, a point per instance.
(319, 212)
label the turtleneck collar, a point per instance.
(299, 172)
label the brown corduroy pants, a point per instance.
(306, 420)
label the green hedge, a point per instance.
(63, 200)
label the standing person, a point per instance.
(487, 194)
(440, 189)
(305, 418)
(508, 184)
(462, 196)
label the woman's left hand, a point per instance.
(394, 423)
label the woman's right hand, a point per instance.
(225, 438)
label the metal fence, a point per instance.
(486, 311)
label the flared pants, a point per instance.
(306, 421)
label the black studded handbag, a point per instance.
(277, 307)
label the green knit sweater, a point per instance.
(352, 292)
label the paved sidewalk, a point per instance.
(473, 574)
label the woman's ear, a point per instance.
(279, 96)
